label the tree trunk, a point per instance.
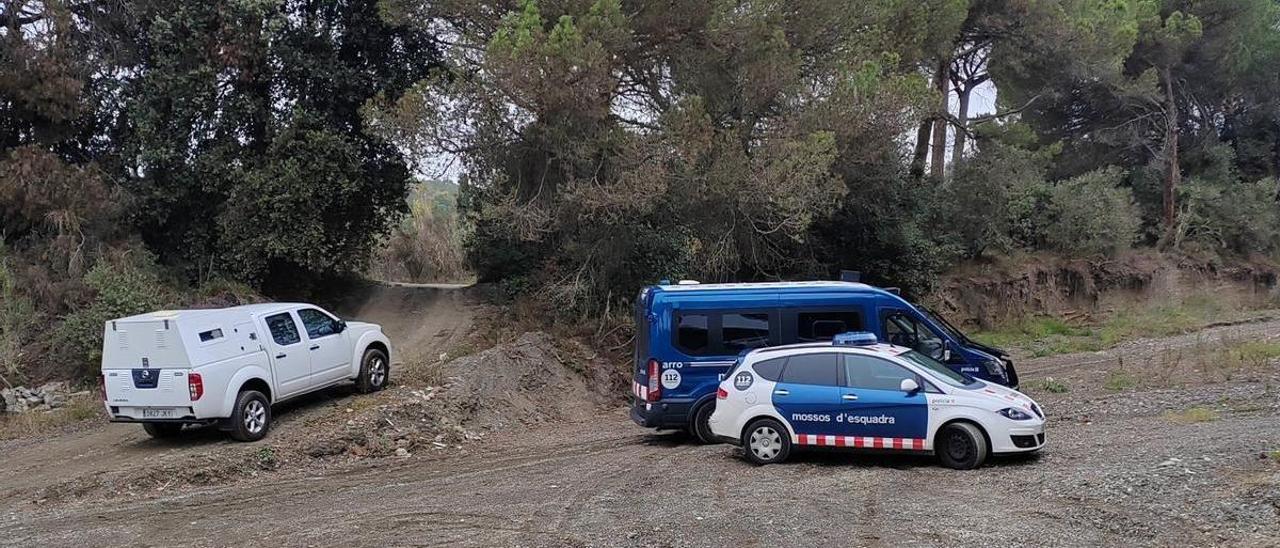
(939, 151)
(1173, 174)
(957, 152)
(921, 154)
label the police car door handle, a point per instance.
(849, 397)
(781, 392)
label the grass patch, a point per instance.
(1117, 381)
(1046, 336)
(21, 425)
(1050, 385)
(1275, 455)
(1192, 415)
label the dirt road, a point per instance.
(1123, 467)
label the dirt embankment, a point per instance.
(990, 293)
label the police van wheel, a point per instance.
(766, 442)
(700, 428)
(961, 446)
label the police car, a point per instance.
(857, 393)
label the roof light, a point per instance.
(689, 282)
(854, 338)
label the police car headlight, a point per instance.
(1014, 414)
(995, 368)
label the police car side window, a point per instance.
(812, 369)
(770, 369)
(871, 373)
(692, 335)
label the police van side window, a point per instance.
(903, 330)
(770, 369)
(692, 335)
(742, 331)
(871, 373)
(823, 325)
(812, 369)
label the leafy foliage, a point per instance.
(124, 287)
(1091, 213)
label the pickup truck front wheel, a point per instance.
(252, 416)
(374, 371)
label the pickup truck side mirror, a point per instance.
(909, 386)
(342, 326)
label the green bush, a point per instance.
(130, 286)
(16, 316)
(993, 201)
(1240, 217)
(1091, 214)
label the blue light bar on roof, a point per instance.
(854, 338)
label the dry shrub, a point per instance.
(426, 247)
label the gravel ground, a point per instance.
(1122, 467)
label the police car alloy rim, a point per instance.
(255, 416)
(765, 443)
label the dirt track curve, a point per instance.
(1117, 472)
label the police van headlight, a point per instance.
(1014, 414)
(995, 368)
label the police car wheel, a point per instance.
(961, 446)
(700, 428)
(766, 442)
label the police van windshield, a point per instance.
(946, 374)
(944, 324)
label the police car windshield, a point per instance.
(942, 372)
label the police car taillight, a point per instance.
(721, 393)
(655, 387)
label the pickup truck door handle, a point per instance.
(280, 356)
(849, 397)
(315, 347)
(782, 392)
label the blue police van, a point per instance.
(689, 334)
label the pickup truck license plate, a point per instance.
(157, 413)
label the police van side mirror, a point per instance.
(909, 386)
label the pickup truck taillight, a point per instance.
(196, 384)
(722, 394)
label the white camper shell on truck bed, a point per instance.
(227, 366)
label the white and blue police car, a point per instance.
(857, 393)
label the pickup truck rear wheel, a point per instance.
(374, 371)
(162, 430)
(252, 417)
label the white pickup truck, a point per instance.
(228, 366)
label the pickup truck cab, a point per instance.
(228, 366)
